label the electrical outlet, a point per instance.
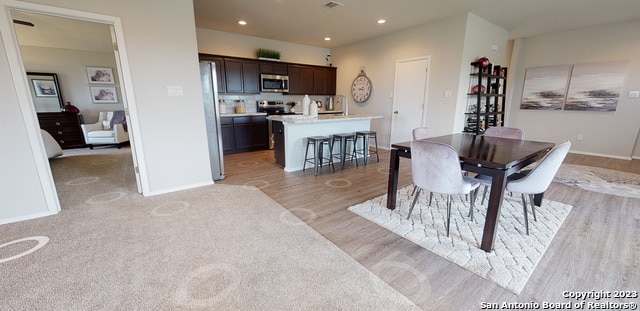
(580, 137)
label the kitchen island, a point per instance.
(290, 133)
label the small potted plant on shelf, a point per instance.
(268, 54)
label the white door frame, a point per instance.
(26, 102)
(395, 89)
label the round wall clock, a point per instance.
(361, 87)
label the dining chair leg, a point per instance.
(472, 204)
(526, 217)
(413, 204)
(430, 197)
(533, 207)
(448, 213)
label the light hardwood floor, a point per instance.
(596, 249)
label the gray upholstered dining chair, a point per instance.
(504, 132)
(422, 133)
(538, 179)
(435, 167)
(499, 132)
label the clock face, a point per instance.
(361, 89)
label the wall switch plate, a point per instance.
(580, 137)
(634, 94)
(175, 90)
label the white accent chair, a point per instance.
(539, 178)
(435, 167)
(104, 133)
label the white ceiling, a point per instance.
(308, 22)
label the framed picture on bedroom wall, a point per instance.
(100, 75)
(104, 94)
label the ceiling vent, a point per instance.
(332, 5)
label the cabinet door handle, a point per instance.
(57, 123)
(59, 132)
(62, 141)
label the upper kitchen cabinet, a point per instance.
(219, 61)
(324, 80)
(242, 76)
(273, 68)
(300, 79)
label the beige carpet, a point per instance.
(515, 255)
(212, 248)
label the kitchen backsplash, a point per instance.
(250, 100)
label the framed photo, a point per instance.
(545, 88)
(104, 94)
(44, 88)
(100, 75)
(596, 86)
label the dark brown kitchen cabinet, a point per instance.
(226, 132)
(324, 80)
(278, 142)
(220, 72)
(244, 133)
(300, 79)
(273, 68)
(64, 128)
(241, 76)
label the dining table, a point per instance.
(492, 156)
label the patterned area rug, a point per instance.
(601, 180)
(515, 254)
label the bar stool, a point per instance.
(318, 143)
(365, 152)
(343, 139)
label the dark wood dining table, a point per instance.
(492, 156)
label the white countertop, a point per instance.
(299, 119)
(228, 115)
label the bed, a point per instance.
(51, 145)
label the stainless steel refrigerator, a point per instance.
(212, 115)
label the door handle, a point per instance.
(395, 112)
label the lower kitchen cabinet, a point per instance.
(278, 142)
(244, 133)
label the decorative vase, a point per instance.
(70, 109)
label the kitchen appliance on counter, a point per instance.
(272, 108)
(212, 118)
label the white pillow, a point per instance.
(106, 125)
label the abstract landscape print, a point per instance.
(545, 87)
(596, 86)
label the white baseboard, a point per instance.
(26, 217)
(187, 187)
(601, 155)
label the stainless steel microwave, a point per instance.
(274, 83)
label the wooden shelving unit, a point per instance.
(486, 98)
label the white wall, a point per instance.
(70, 66)
(611, 134)
(224, 43)
(480, 36)
(162, 51)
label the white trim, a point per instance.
(26, 102)
(181, 188)
(600, 155)
(25, 217)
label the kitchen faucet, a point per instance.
(345, 105)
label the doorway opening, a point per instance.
(45, 35)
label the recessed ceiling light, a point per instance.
(242, 22)
(381, 21)
(327, 39)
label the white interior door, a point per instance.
(410, 100)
